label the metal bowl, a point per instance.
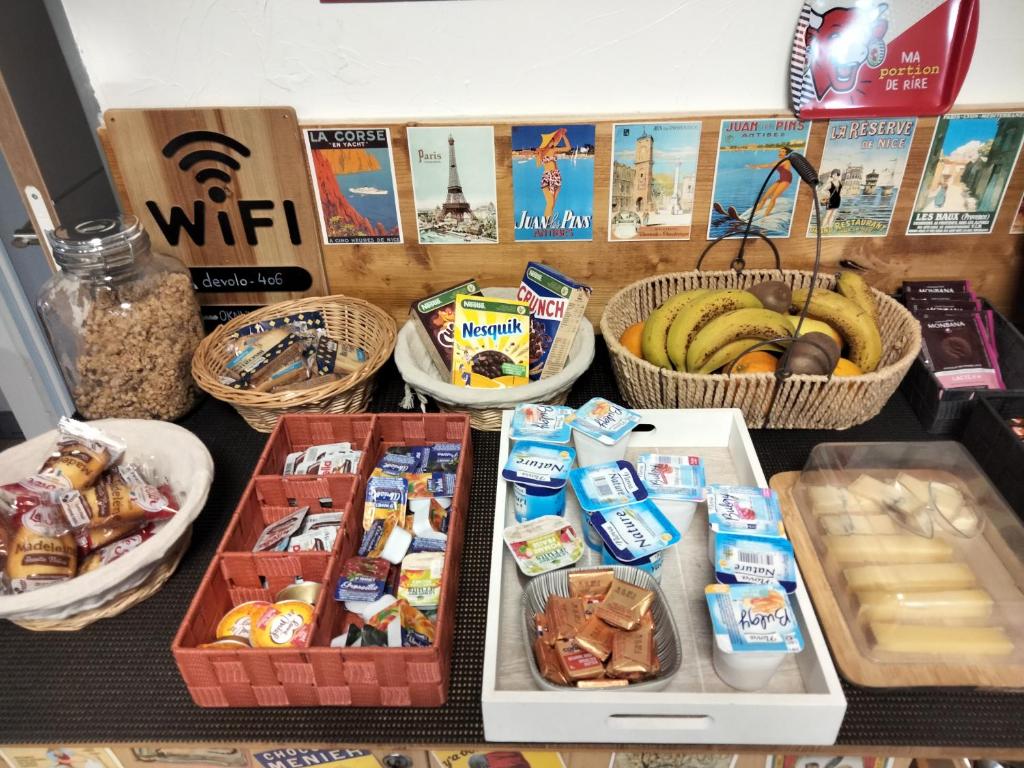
(666, 636)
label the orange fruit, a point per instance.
(630, 338)
(846, 368)
(757, 361)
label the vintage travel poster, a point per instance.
(861, 172)
(182, 756)
(59, 757)
(808, 761)
(453, 184)
(969, 165)
(671, 760)
(747, 151)
(1017, 225)
(496, 758)
(296, 757)
(553, 182)
(354, 179)
(654, 169)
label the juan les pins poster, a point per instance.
(861, 174)
(553, 182)
(748, 149)
(355, 185)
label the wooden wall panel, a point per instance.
(394, 275)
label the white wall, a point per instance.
(484, 58)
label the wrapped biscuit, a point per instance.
(111, 552)
(625, 605)
(42, 552)
(118, 499)
(634, 656)
(81, 456)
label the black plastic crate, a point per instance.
(987, 435)
(946, 415)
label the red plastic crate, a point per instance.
(268, 499)
(321, 675)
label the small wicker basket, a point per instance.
(802, 402)
(485, 406)
(348, 320)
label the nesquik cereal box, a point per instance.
(492, 342)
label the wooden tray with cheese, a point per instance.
(914, 561)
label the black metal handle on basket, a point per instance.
(807, 172)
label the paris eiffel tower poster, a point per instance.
(454, 184)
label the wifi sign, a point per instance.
(194, 227)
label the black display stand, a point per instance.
(116, 681)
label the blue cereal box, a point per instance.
(557, 304)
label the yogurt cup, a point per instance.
(635, 531)
(754, 629)
(742, 559)
(608, 485)
(676, 483)
(602, 431)
(590, 534)
(538, 473)
(541, 423)
(650, 564)
(742, 509)
(545, 544)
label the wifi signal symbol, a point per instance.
(217, 193)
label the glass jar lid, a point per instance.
(98, 246)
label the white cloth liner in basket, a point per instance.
(182, 460)
(423, 380)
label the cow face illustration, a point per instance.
(838, 42)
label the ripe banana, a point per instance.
(655, 334)
(727, 354)
(855, 325)
(749, 323)
(698, 314)
(855, 288)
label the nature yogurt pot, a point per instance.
(601, 486)
(742, 509)
(675, 482)
(601, 431)
(541, 423)
(754, 629)
(651, 564)
(538, 473)
(742, 559)
(634, 532)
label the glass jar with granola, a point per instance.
(123, 321)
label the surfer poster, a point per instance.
(747, 151)
(654, 168)
(969, 165)
(354, 180)
(453, 184)
(553, 182)
(861, 172)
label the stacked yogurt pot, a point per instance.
(633, 511)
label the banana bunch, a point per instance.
(701, 331)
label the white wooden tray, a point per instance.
(803, 704)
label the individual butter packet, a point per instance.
(742, 559)
(679, 478)
(275, 536)
(538, 465)
(752, 617)
(604, 421)
(398, 464)
(603, 486)
(541, 423)
(744, 509)
(363, 579)
(441, 457)
(635, 531)
(420, 581)
(543, 544)
(385, 498)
